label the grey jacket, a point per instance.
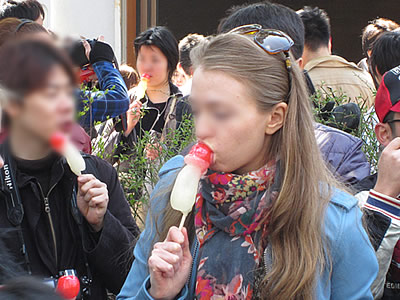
(343, 154)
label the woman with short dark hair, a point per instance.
(157, 55)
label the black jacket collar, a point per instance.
(58, 170)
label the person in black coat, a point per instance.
(57, 220)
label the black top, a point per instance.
(39, 169)
(154, 118)
(155, 114)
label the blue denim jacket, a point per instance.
(354, 265)
(111, 101)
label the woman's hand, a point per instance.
(133, 116)
(169, 264)
(153, 151)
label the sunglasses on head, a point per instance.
(270, 40)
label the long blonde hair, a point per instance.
(295, 219)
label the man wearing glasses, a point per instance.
(381, 191)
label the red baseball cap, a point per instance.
(388, 95)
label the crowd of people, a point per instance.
(288, 208)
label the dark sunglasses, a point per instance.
(271, 41)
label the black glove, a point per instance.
(101, 52)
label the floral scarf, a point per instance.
(228, 212)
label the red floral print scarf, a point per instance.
(228, 212)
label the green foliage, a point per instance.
(365, 130)
(139, 174)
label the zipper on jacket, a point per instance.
(194, 255)
(48, 212)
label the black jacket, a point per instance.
(108, 253)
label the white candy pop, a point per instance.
(141, 88)
(63, 145)
(183, 194)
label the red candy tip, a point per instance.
(57, 141)
(202, 151)
(201, 156)
(68, 286)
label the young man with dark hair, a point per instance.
(370, 34)
(57, 219)
(185, 64)
(330, 72)
(22, 9)
(379, 193)
(317, 28)
(272, 16)
(185, 46)
(385, 54)
(268, 15)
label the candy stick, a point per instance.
(62, 145)
(185, 189)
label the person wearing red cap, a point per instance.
(379, 196)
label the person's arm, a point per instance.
(112, 100)
(354, 265)
(109, 250)
(110, 80)
(382, 215)
(382, 211)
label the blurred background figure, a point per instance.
(331, 73)
(186, 45)
(130, 76)
(13, 28)
(179, 78)
(28, 9)
(385, 54)
(370, 34)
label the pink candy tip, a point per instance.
(145, 75)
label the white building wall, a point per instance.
(88, 18)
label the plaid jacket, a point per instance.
(111, 101)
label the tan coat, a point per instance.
(334, 74)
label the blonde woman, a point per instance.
(269, 220)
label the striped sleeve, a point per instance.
(384, 204)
